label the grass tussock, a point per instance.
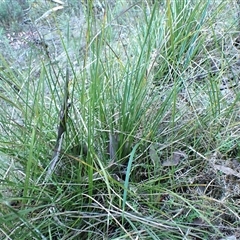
(122, 125)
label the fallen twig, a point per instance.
(61, 129)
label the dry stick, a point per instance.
(61, 129)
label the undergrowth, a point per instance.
(125, 129)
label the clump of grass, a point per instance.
(141, 138)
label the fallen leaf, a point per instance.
(229, 238)
(198, 221)
(177, 156)
(226, 170)
(153, 154)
